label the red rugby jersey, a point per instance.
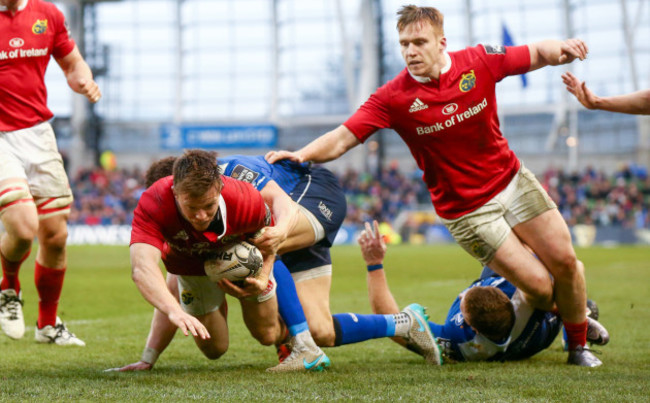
(451, 125)
(27, 40)
(158, 222)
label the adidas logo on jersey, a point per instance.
(418, 106)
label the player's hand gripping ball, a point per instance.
(235, 262)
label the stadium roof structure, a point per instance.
(305, 66)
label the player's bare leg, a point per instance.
(20, 222)
(261, 319)
(548, 235)
(314, 295)
(520, 267)
(217, 326)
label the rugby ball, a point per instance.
(234, 262)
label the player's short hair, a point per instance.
(490, 312)
(195, 172)
(158, 170)
(413, 14)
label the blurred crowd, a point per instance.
(104, 197)
(593, 197)
(589, 197)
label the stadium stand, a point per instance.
(592, 197)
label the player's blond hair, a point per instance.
(413, 14)
(196, 172)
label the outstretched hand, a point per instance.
(373, 245)
(579, 90)
(136, 366)
(188, 324)
(572, 49)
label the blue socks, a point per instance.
(353, 328)
(349, 327)
(288, 302)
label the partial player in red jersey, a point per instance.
(184, 219)
(35, 196)
(443, 105)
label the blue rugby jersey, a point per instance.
(533, 331)
(256, 171)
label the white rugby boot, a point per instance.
(57, 334)
(11, 313)
(305, 356)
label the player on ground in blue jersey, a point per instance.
(490, 320)
(305, 256)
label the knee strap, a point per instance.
(14, 193)
(51, 206)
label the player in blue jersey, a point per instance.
(305, 260)
(490, 320)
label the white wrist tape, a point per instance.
(150, 355)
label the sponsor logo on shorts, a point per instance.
(16, 42)
(187, 297)
(244, 174)
(467, 81)
(478, 249)
(39, 27)
(325, 211)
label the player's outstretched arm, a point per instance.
(637, 103)
(327, 147)
(373, 249)
(553, 52)
(151, 284)
(79, 76)
(160, 336)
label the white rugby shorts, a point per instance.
(484, 230)
(200, 296)
(32, 154)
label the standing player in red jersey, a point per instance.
(184, 219)
(35, 196)
(443, 105)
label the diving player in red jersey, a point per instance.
(443, 105)
(35, 196)
(183, 220)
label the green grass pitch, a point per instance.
(103, 307)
